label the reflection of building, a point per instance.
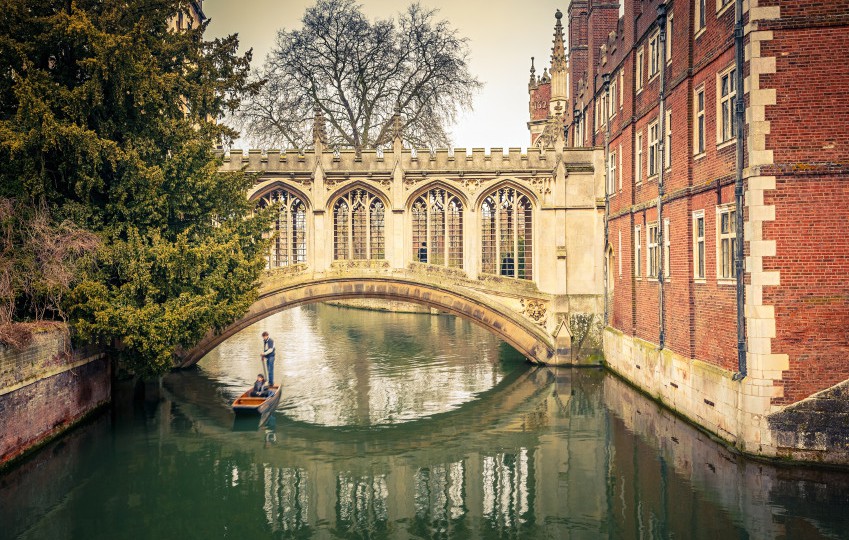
(677, 212)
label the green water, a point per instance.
(402, 426)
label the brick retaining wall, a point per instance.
(44, 390)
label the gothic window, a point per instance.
(359, 226)
(506, 234)
(438, 228)
(289, 242)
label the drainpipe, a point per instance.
(661, 147)
(605, 81)
(740, 111)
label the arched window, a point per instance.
(438, 228)
(359, 226)
(289, 245)
(507, 234)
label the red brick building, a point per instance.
(672, 311)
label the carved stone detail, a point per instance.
(472, 184)
(542, 185)
(534, 310)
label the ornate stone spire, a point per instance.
(397, 125)
(319, 132)
(533, 82)
(558, 52)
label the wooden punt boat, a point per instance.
(256, 406)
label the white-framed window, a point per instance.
(722, 5)
(653, 149)
(611, 173)
(726, 241)
(612, 102)
(621, 96)
(653, 250)
(699, 121)
(726, 91)
(638, 251)
(699, 17)
(620, 252)
(667, 263)
(640, 68)
(667, 150)
(699, 244)
(619, 153)
(654, 55)
(638, 158)
(596, 122)
(669, 21)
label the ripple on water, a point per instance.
(342, 367)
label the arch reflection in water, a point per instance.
(542, 453)
(342, 366)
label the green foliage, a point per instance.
(105, 118)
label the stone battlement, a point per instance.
(440, 160)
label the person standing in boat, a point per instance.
(268, 356)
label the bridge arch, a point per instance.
(526, 337)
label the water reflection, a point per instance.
(544, 453)
(350, 367)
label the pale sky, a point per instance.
(503, 35)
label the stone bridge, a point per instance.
(512, 241)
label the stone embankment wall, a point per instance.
(45, 389)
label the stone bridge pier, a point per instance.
(512, 241)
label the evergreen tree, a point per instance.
(106, 118)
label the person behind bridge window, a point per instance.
(260, 389)
(423, 253)
(268, 356)
(507, 265)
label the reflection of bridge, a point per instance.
(491, 463)
(510, 241)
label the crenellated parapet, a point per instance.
(451, 161)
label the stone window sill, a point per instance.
(726, 144)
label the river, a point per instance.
(402, 426)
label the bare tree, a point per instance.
(358, 73)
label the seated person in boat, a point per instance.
(260, 388)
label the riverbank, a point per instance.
(46, 388)
(384, 305)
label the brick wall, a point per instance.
(811, 165)
(810, 144)
(44, 390)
